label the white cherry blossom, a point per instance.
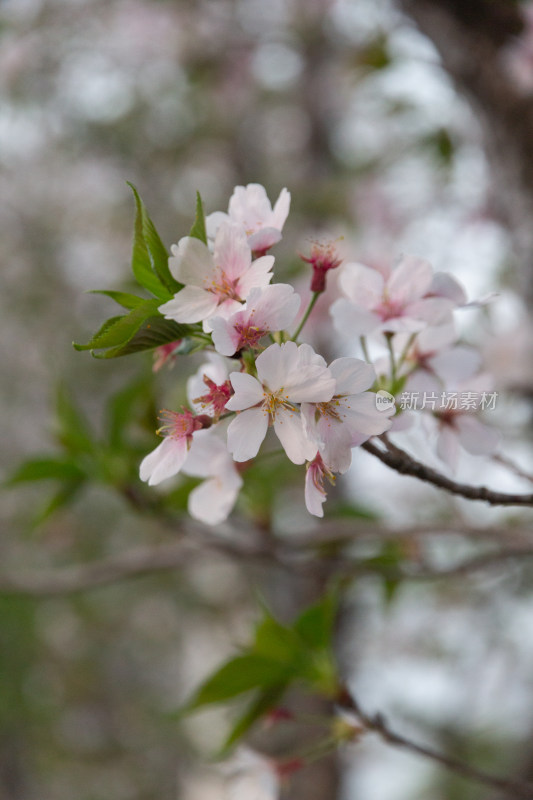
(169, 457)
(270, 309)
(250, 207)
(461, 427)
(285, 378)
(215, 283)
(349, 418)
(405, 300)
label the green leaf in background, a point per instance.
(149, 261)
(241, 674)
(274, 640)
(73, 430)
(198, 230)
(260, 705)
(132, 403)
(315, 624)
(39, 469)
(61, 498)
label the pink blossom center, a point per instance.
(389, 309)
(217, 396)
(179, 426)
(249, 335)
(318, 472)
(224, 287)
(323, 258)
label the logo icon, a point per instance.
(384, 400)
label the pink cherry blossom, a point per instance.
(250, 207)
(169, 457)
(165, 354)
(286, 376)
(349, 418)
(270, 309)
(215, 283)
(458, 427)
(315, 494)
(209, 389)
(323, 257)
(434, 360)
(399, 302)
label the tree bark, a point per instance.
(472, 38)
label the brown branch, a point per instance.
(131, 564)
(297, 557)
(400, 461)
(512, 467)
(377, 724)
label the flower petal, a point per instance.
(353, 320)
(246, 433)
(166, 460)
(362, 285)
(192, 262)
(212, 501)
(248, 392)
(352, 375)
(410, 280)
(258, 275)
(225, 337)
(232, 255)
(289, 429)
(315, 496)
(474, 436)
(191, 304)
(264, 239)
(281, 209)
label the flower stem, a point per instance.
(388, 337)
(405, 350)
(305, 317)
(364, 348)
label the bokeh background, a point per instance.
(399, 126)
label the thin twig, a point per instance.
(400, 461)
(131, 564)
(296, 557)
(510, 465)
(377, 724)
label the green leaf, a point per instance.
(100, 333)
(119, 330)
(63, 497)
(152, 332)
(124, 299)
(122, 407)
(266, 699)
(315, 624)
(198, 230)
(73, 430)
(149, 261)
(238, 676)
(38, 469)
(277, 642)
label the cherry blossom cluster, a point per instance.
(258, 376)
